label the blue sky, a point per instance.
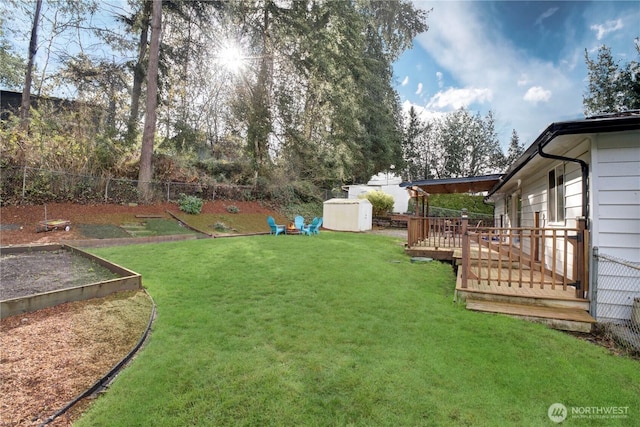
(522, 60)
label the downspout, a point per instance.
(584, 167)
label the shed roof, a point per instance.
(346, 202)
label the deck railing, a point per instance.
(521, 257)
(439, 232)
(526, 257)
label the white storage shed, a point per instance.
(347, 214)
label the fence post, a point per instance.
(106, 190)
(465, 249)
(24, 182)
(168, 190)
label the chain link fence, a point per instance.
(37, 186)
(616, 293)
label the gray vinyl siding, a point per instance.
(534, 190)
(573, 182)
(616, 190)
(616, 219)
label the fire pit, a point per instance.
(291, 229)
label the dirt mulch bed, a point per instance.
(51, 356)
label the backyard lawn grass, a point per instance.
(341, 329)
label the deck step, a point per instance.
(572, 319)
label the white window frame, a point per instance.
(556, 193)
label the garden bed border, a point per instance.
(128, 280)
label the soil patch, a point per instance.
(43, 271)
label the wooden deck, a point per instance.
(515, 282)
(496, 283)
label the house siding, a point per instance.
(534, 195)
(534, 190)
(616, 221)
(614, 210)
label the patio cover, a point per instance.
(471, 184)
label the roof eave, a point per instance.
(576, 127)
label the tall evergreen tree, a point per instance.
(148, 137)
(415, 147)
(612, 87)
(466, 145)
(33, 49)
(515, 149)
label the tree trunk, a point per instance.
(261, 105)
(138, 77)
(33, 48)
(148, 136)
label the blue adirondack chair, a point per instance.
(315, 229)
(298, 221)
(275, 228)
(309, 229)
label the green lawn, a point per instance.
(340, 329)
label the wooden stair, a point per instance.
(564, 318)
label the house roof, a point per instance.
(617, 122)
(471, 184)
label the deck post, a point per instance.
(465, 250)
(411, 231)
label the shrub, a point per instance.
(237, 172)
(190, 204)
(220, 226)
(456, 202)
(381, 201)
(233, 209)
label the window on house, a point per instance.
(514, 209)
(555, 205)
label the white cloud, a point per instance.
(490, 71)
(423, 113)
(419, 90)
(439, 77)
(405, 81)
(537, 94)
(606, 28)
(458, 98)
(546, 14)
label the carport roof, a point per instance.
(471, 184)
